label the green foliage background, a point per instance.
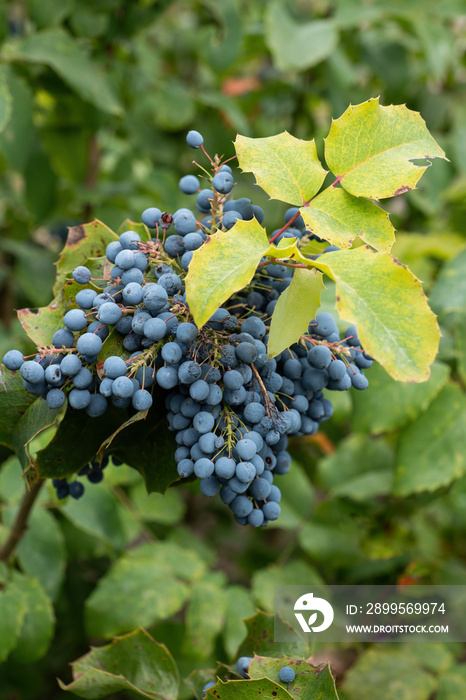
(95, 101)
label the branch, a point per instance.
(20, 524)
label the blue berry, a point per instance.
(75, 320)
(32, 372)
(151, 217)
(223, 182)
(194, 139)
(76, 489)
(81, 274)
(142, 400)
(286, 674)
(189, 184)
(13, 360)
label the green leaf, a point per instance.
(225, 264)
(11, 483)
(40, 325)
(205, 618)
(99, 513)
(295, 308)
(134, 662)
(294, 573)
(166, 509)
(298, 499)
(33, 268)
(76, 442)
(154, 458)
(389, 308)
(388, 404)
(12, 613)
(449, 292)
(68, 151)
(36, 418)
(332, 542)
(430, 453)
(238, 607)
(113, 345)
(338, 217)
(5, 100)
(222, 47)
(297, 45)
(50, 13)
(389, 675)
(260, 638)
(370, 149)
(41, 184)
(39, 622)
(285, 167)
(452, 683)
(41, 551)
(145, 585)
(360, 468)
(460, 338)
(175, 107)
(83, 242)
(311, 683)
(14, 402)
(246, 690)
(58, 50)
(17, 137)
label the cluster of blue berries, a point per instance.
(232, 409)
(94, 472)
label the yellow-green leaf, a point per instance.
(370, 149)
(295, 308)
(285, 167)
(225, 264)
(339, 218)
(387, 304)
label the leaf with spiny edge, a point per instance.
(285, 167)
(370, 149)
(225, 264)
(389, 308)
(339, 218)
